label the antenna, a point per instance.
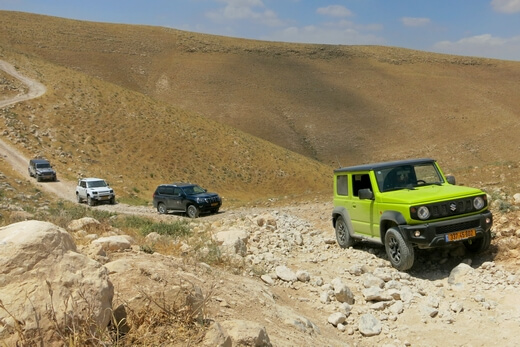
(337, 159)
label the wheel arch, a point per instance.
(343, 212)
(390, 219)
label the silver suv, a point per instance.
(94, 190)
(42, 170)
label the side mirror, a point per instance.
(366, 194)
(450, 179)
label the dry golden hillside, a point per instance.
(159, 104)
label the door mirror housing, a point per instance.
(366, 194)
(450, 179)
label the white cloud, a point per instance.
(506, 6)
(484, 45)
(325, 35)
(415, 22)
(334, 11)
(244, 10)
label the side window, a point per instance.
(361, 181)
(177, 191)
(169, 191)
(83, 184)
(342, 185)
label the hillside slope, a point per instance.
(333, 103)
(88, 127)
(340, 105)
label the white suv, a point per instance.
(94, 190)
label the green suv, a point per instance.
(405, 205)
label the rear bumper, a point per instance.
(436, 234)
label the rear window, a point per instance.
(165, 190)
(342, 185)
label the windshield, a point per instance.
(97, 184)
(193, 190)
(43, 166)
(407, 176)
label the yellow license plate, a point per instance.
(460, 235)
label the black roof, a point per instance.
(39, 161)
(382, 165)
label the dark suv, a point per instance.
(42, 170)
(185, 197)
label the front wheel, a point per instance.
(342, 234)
(479, 245)
(400, 252)
(113, 200)
(193, 211)
(90, 201)
(161, 208)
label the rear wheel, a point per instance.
(161, 208)
(479, 245)
(78, 198)
(193, 211)
(400, 252)
(342, 234)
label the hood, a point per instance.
(101, 190)
(205, 195)
(45, 170)
(428, 194)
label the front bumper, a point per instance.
(105, 197)
(436, 233)
(209, 206)
(46, 177)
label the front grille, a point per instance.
(451, 208)
(457, 227)
(212, 199)
(446, 209)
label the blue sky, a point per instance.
(482, 28)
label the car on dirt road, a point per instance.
(42, 170)
(187, 198)
(94, 190)
(407, 205)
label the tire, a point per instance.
(113, 200)
(215, 211)
(479, 245)
(400, 252)
(161, 208)
(343, 236)
(90, 201)
(38, 178)
(78, 198)
(30, 174)
(192, 211)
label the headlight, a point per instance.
(479, 203)
(423, 213)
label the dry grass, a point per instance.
(137, 104)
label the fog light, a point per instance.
(488, 220)
(417, 233)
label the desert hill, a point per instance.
(337, 105)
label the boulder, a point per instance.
(41, 273)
